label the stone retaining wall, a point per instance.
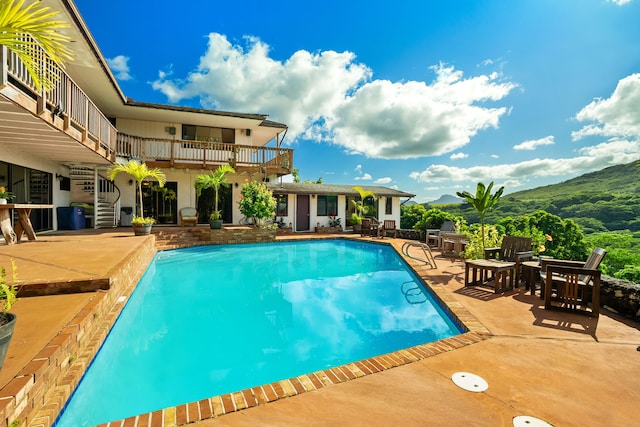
(182, 237)
(620, 296)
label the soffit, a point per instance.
(22, 131)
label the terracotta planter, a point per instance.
(142, 229)
(6, 332)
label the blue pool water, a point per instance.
(212, 320)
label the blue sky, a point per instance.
(427, 96)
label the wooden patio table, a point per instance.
(503, 273)
(13, 235)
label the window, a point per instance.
(327, 205)
(208, 134)
(282, 204)
(388, 206)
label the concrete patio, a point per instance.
(566, 369)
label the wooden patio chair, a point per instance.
(513, 249)
(366, 227)
(188, 216)
(389, 226)
(566, 284)
(435, 234)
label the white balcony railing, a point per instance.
(66, 98)
(203, 154)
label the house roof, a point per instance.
(332, 189)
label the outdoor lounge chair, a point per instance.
(188, 216)
(566, 283)
(435, 234)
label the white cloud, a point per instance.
(457, 156)
(384, 180)
(616, 116)
(619, 2)
(495, 156)
(358, 168)
(328, 97)
(364, 177)
(615, 151)
(533, 144)
(119, 65)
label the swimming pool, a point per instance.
(211, 320)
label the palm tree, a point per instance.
(482, 202)
(139, 171)
(214, 180)
(25, 30)
(360, 208)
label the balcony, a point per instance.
(30, 114)
(205, 155)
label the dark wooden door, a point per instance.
(302, 213)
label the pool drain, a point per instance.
(469, 382)
(527, 421)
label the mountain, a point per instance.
(605, 200)
(447, 199)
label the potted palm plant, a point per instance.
(7, 320)
(140, 172)
(214, 180)
(360, 209)
(5, 196)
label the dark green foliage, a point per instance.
(410, 215)
(623, 253)
(552, 235)
(603, 204)
(434, 218)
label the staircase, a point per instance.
(106, 200)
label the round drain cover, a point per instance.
(527, 421)
(469, 382)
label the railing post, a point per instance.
(4, 65)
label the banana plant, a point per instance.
(483, 201)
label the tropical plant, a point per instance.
(166, 194)
(8, 290)
(4, 194)
(139, 220)
(140, 172)
(474, 248)
(483, 201)
(410, 215)
(334, 221)
(434, 218)
(25, 30)
(256, 202)
(214, 180)
(361, 210)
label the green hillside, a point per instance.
(605, 200)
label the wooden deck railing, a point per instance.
(203, 154)
(65, 98)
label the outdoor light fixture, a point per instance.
(59, 177)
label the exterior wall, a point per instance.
(395, 210)
(148, 129)
(185, 179)
(323, 221)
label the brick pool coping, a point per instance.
(86, 333)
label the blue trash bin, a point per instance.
(71, 218)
